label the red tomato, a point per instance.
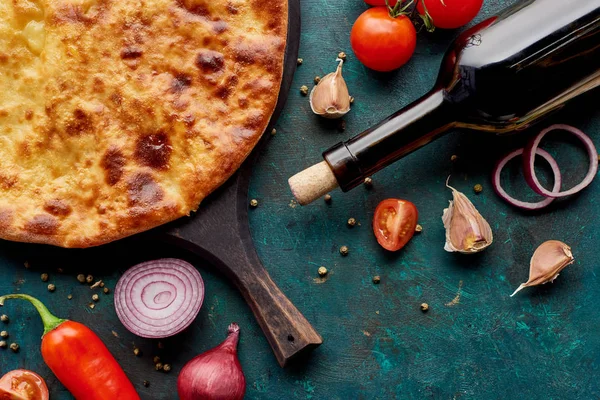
(21, 384)
(394, 223)
(450, 14)
(381, 42)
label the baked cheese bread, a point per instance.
(120, 115)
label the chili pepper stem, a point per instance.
(48, 319)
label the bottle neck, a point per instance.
(395, 137)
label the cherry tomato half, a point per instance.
(381, 42)
(450, 14)
(22, 384)
(394, 223)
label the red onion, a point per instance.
(529, 159)
(159, 298)
(216, 374)
(518, 203)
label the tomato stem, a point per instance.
(427, 20)
(48, 319)
(396, 11)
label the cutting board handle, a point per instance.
(286, 329)
(231, 251)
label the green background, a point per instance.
(541, 344)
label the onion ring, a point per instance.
(529, 159)
(159, 298)
(523, 204)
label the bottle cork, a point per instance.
(312, 183)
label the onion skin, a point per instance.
(215, 374)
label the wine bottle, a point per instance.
(501, 75)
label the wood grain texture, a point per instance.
(541, 344)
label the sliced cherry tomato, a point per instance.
(381, 42)
(394, 223)
(22, 384)
(450, 14)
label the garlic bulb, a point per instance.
(466, 230)
(548, 260)
(330, 97)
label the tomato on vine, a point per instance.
(449, 14)
(384, 38)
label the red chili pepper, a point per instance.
(79, 359)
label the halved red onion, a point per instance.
(159, 298)
(529, 160)
(523, 204)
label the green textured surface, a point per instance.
(541, 344)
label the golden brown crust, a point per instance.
(121, 115)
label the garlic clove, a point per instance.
(467, 231)
(330, 97)
(547, 261)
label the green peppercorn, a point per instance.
(4, 334)
(253, 203)
(327, 198)
(304, 90)
(137, 352)
(344, 250)
(51, 287)
(146, 383)
(106, 290)
(376, 279)
(4, 318)
(95, 297)
(351, 222)
(322, 271)
(158, 366)
(167, 367)
(478, 188)
(81, 278)
(44, 277)
(89, 278)
(3, 344)
(14, 347)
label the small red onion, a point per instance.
(529, 159)
(215, 374)
(518, 203)
(159, 298)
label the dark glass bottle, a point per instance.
(500, 76)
